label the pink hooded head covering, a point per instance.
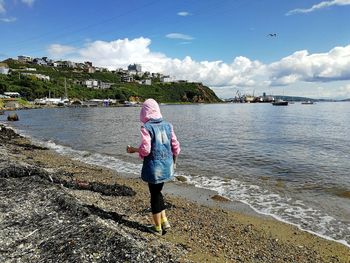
(150, 110)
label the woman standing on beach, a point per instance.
(159, 149)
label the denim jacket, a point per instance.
(158, 166)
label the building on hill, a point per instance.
(80, 65)
(39, 61)
(88, 67)
(121, 71)
(90, 70)
(167, 79)
(38, 76)
(127, 78)
(100, 69)
(66, 64)
(147, 82)
(4, 70)
(135, 68)
(105, 85)
(96, 84)
(88, 64)
(157, 75)
(70, 64)
(30, 69)
(90, 83)
(12, 94)
(24, 59)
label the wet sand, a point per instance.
(87, 223)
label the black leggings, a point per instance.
(157, 201)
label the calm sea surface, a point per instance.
(289, 162)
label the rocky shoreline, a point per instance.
(54, 209)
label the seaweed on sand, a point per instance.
(18, 171)
(42, 223)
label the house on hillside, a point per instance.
(24, 59)
(66, 64)
(39, 61)
(70, 64)
(121, 71)
(135, 68)
(105, 85)
(80, 65)
(12, 94)
(96, 84)
(90, 83)
(157, 75)
(127, 78)
(100, 69)
(52, 63)
(147, 82)
(88, 67)
(166, 79)
(90, 70)
(4, 70)
(38, 76)
(30, 69)
(88, 64)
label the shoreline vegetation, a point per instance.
(55, 209)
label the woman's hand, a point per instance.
(130, 149)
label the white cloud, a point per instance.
(318, 6)
(241, 72)
(179, 36)
(292, 72)
(320, 67)
(28, 2)
(59, 51)
(8, 20)
(2, 7)
(342, 92)
(183, 13)
(339, 92)
(122, 52)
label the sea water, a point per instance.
(288, 162)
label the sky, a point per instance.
(296, 48)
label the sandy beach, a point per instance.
(55, 209)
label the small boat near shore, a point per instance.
(280, 102)
(309, 102)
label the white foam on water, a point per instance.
(285, 209)
(110, 162)
(85, 156)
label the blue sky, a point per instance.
(223, 43)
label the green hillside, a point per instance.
(31, 88)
